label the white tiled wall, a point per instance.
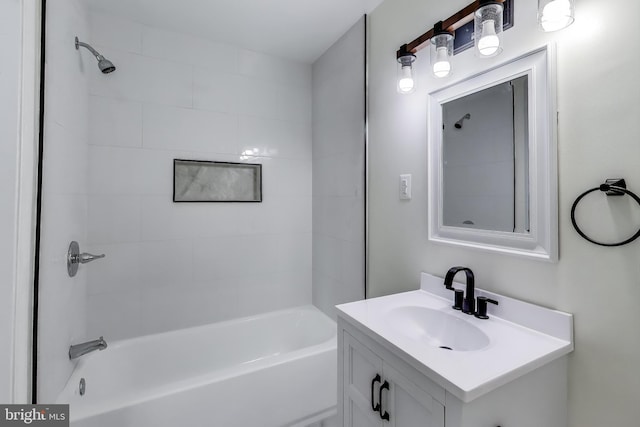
(338, 172)
(62, 318)
(174, 265)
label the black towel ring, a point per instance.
(612, 187)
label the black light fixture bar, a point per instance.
(453, 23)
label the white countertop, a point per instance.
(522, 336)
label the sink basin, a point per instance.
(436, 328)
(518, 338)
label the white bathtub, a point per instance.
(272, 370)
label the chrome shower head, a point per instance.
(459, 123)
(104, 64)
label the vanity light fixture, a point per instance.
(490, 18)
(488, 28)
(441, 51)
(406, 73)
(441, 39)
(554, 15)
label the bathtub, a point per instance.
(272, 370)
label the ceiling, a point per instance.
(296, 29)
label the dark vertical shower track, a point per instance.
(366, 157)
(36, 276)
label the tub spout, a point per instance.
(78, 350)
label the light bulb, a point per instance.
(442, 66)
(556, 15)
(406, 78)
(406, 84)
(489, 42)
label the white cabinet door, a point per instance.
(407, 404)
(369, 382)
(362, 368)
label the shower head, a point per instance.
(104, 64)
(458, 124)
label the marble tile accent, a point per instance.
(216, 182)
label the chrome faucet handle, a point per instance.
(85, 257)
(75, 258)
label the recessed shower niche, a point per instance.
(204, 181)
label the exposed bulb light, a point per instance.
(555, 15)
(488, 28)
(490, 18)
(406, 83)
(442, 66)
(489, 42)
(406, 75)
(441, 51)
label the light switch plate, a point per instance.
(405, 187)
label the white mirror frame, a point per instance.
(542, 240)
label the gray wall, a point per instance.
(10, 36)
(338, 172)
(598, 138)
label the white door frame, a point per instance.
(26, 200)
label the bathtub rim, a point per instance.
(114, 403)
(217, 325)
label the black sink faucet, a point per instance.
(469, 302)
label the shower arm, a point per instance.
(92, 50)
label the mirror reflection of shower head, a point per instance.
(104, 64)
(458, 124)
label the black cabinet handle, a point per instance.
(385, 415)
(377, 379)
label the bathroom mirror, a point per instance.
(492, 159)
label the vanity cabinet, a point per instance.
(372, 372)
(427, 365)
(378, 394)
